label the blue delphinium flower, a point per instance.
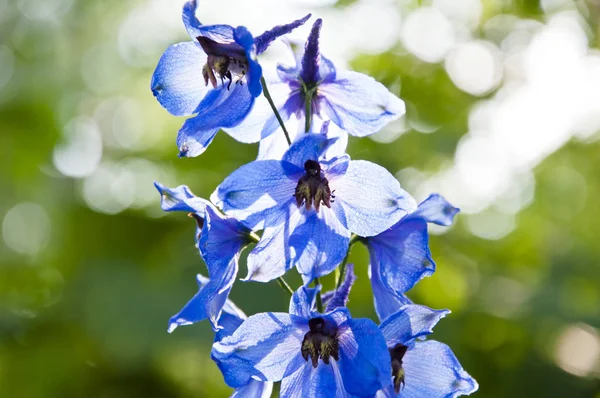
(219, 239)
(308, 207)
(400, 256)
(216, 52)
(313, 354)
(355, 103)
(421, 369)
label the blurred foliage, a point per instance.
(87, 314)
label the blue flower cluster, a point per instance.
(303, 204)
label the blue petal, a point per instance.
(255, 389)
(410, 322)
(303, 301)
(322, 382)
(319, 244)
(266, 346)
(180, 199)
(340, 297)
(218, 33)
(209, 300)
(364, 358)
(371, 198)
(221, 240)
(177, 82)
(435, 209)
(432, 370)
(263, 41)
(308, 146)
(359, 104)
(219, 108)
(254, 73)
(402, 255)
(310, 59)
(386, 300)
(258, 190)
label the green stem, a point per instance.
(307, 113)
(342, 274)
(274, 108)
(285, 285)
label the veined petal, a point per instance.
(410, 322)
(210, 299)
(177, 82)
(180, 199)
(364, 358)
(263, 41)
(386, 300)
(435, 209)
(303, 301)
(432, 370)
(266, 346)
(255, 389)
(308, 146)
(258, 190)
(371, 197)
(340, 296)
(319, 244)
(359, 104)
(322, 382)
(402, 254)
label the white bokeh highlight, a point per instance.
(26, 228)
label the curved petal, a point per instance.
(322, 382)
(258, 190)
(371, 197)
(364, 358)
(435, 209)
(319, 244)
(210, 299)
(180, 199)
(359, 104)
(386, 300)
(308, 146)
(263, 41)
(410, 322)
(266, 346)
(218, 33)
(432, 370)
(303, 301)
(254, 72)
(340, 296)
(402, 254)
(177, 82)
(256, 389)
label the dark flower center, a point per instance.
(313, 188)
(320, 342)
(224, 61)
(397, 353)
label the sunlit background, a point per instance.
(503, 119)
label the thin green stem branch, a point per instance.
(319, 299)
(274, 108)
(342, 274)
(285, 285)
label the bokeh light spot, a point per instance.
(26, 228)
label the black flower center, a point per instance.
(397, 353)
(313, 188)
(320, 342)
(224, 61)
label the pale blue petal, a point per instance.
(324, 381)
(180, 199)
(432, 370)
(364, 358)
(386, 300)
(410, 322)
(358, 103)
(303, 301)
(308, 146)
(371, 197)
(266, 346)
(435, 209)
(258, 190)
(177, 82)
(254, 389)
(218, 33)
(402, 254)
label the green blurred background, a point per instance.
(503, 119)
